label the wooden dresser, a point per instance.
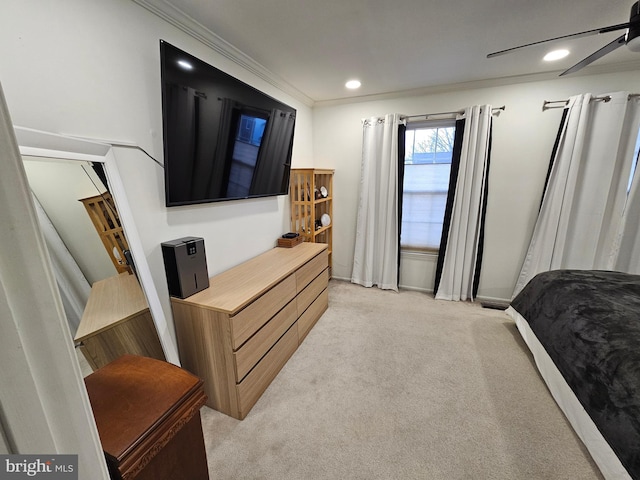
(117, 321)
(237, 334)
(148, 417)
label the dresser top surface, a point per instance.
(231, 290)
(111, 300)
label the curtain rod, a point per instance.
(547, 104)
(427, 116)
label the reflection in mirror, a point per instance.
(127, 316)
(76, 251)
(103, 301)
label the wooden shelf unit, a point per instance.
(308, 205)
(105, 219)
(237, 334)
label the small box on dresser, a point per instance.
(290, 242)
(237, 334)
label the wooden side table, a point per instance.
(148, 416)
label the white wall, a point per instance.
(91, 68)
(523, 138)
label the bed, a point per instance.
(583, 329)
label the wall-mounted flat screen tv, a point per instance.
(223, 139)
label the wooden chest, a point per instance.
(148, 416)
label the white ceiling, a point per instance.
(316, 45)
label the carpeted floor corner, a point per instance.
(401, 386)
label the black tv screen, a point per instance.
(223, 139)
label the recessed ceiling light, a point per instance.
(184, 64)
(555, 55)
(353, 84)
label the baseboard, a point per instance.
(416, 289)
(342, 279)
(479, 299)
(403, 287)
(482, 298)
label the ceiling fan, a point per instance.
(631, 38)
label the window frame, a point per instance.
(446, 122)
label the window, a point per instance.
(634, 162)
(246, 148)
(427, 166)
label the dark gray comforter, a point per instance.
(589, 324)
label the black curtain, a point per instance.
(271, 166)
(483, 215)
(183, 129)
(218, 176)
(402, 129)
(448, 211)
(554, 152)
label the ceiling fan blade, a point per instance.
(610, 47)
(611, 28)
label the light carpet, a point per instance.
(401, 386)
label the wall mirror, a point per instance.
(94, 247)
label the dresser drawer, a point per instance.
(255, 348)
(257, 381)
(249, 320)
(312, 291)
(309, 271)
(309, 318)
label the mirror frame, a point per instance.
(50, 145)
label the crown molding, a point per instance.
(488, 83)
(196, 30)
(191, 27)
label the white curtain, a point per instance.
(625, 256)
(582, 222)
(462, 250)
(74, 287)
(376, 250)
